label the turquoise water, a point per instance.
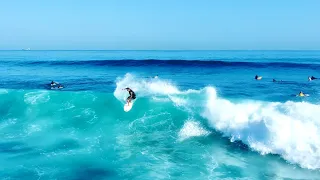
(204, 117)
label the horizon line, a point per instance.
(159, 50)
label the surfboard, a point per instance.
(55, 87)
(54, 84)
(127, 107)
(305, 95)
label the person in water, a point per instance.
(53, 83)
(132, 95)
(301, 93)
(312, 78)
(258, 77)
(273, 80)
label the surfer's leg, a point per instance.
(129, 99)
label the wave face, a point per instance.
(171, 130)
(289, 129)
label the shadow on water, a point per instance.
(67, 144)
(14, 147)
(20, 174)
(94, 173)
(79, 172)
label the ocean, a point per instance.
(204, 117)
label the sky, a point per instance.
(160, 25)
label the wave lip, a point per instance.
(290, 129)
(147, 87)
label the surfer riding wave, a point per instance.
(132, 95)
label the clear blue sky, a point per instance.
(160, 24)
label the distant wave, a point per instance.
(165, 63)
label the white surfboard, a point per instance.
(305, 95)
(54, 84)
(127, 107)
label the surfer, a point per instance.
(273, 80)
(301, 94)
(132, 95)
(312, 78)
(53, 83)
(258, 77)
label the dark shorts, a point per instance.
(132, 97)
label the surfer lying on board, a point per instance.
(312, 78)
(132, 95)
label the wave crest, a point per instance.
(289, 129)
(146, 87)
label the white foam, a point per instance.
(160, 99)
(32, 128)
(192, 129)
(146, 87)
(8, 122)
(36, 97)
(178, 101)
(89, 113)
(67, 106)
(290, 129)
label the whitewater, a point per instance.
(200, 119)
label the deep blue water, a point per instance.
(204, 117)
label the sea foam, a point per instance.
(290, 129)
